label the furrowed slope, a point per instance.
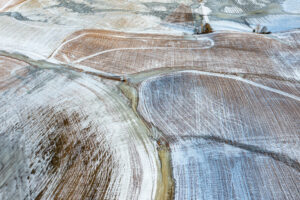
(124, 53)
(65, 135)
(229, 137)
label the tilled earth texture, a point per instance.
(141, 99)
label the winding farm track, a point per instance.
(242, 101)
(124, 53)
(145, 109)
(225, 108)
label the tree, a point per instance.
(207, 28)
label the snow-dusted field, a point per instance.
(114, 99)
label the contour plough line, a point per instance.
(149, 99)
(136, 48)
(163, 145)
(248, 147)
(256, 149)
(66, 41)
(79, 68)
(43, 64)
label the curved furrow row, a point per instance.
(228, 138)
(69, 136)
(126, 53)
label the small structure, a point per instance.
(263, 30)
(207, 28)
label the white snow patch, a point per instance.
(292, 6)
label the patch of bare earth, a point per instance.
(11, 70)
(6, 4)
(125, 53)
